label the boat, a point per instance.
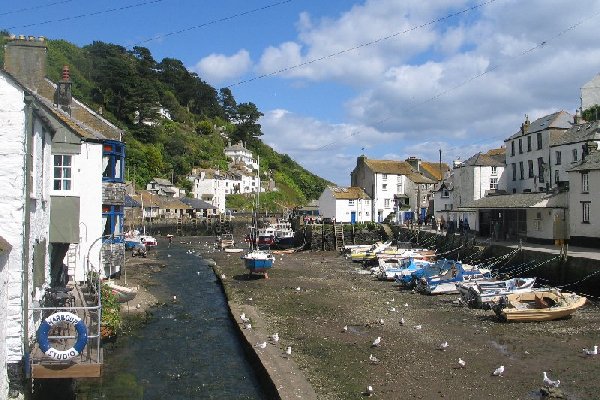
(538, 305)
(483, 294)
(446, 283)
(283, 234)
(406, 267)
(265, 238)
(361, 254)
(123, 293)
(233, 250)
(410, 281)
(134, 238)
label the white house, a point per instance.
(208, 185)
(241, 156)
(472, 179)
(347, 205)
(163, 187)
(528, 152)
(392, 186)
(63, 195)
(584, 205)
(590, 93)
(569, 149)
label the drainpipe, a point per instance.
(26, 223)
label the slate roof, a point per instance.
(591, 162)
(432, 170)
(396, 168)
(519, 201)
(557, 120)
(236, 147)
(348, 193)
(482, 160)
(197, 204)
(498, 154)
(162, 181)
(131, 202)
(580, 133)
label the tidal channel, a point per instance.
(188, 349)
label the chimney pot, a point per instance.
(31, 38)
(42, 39)
(66, 74)
(21, 37)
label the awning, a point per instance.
(518, 201)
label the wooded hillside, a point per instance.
(129, 86)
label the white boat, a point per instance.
(123, 293)
(483, 294)
(446, 283)
(538, 305)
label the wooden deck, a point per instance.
(82, 302)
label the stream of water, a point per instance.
(188, 350)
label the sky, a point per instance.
(338, 79)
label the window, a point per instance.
(399, 188)
(384, 186)
(493, 183)
(384, 177)
(585, 187)
(558, 157)
(585, 212)
(574, 155)
(63, 180)
(530, 168)
(520, 146)
(529, 143)
(113, 157)
(539, 140)
(494, 170)
(512, 148)
(540, 162)
(521, 170)
(350, 203)
(445, 194)
(112, 219)
(514, 171)
(556, 177)
(386, 203)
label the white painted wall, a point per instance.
(3, 306)
(214, 188)
(526, 183)
(567, 160)
(13, 202)
(341, 210)
(87, 184)
(540, 222)
(576, 196)
(590, 93)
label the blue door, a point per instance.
(353, 217)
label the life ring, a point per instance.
(48, 323)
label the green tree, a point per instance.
(246, 125)
(592, 113)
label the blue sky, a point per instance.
(396, 78)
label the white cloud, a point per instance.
(217, 68)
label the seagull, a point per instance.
(401, 321)
(261, 345)
(461, 363)
(405, 304)
(443, 346)
(247, 326)
(376, 342)
(197, 272)
(298, 289)
(549, 382)
(418, 327)
(373, 359)
(591, 352)
(244, 318)
(275, 337)
(249, 298)
(222, 276)
(168, 255)
(369, 391)
(393, 309)
(498, 371)
(288, 351)
(381, 321)
(174, 298)
(345, 328)
(138, 305)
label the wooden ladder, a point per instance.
(339, 236)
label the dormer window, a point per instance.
(113, 161)
(445, 194)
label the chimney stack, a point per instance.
(62, 97)
(25, 59)
(525, 125)
(577, 119)
(415, 163)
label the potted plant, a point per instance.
(110, 322)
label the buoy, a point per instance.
(48, 323)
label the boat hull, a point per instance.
(523, 306)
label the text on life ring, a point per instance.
(46, 326)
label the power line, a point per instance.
(212, 22)
(144, 3)
(477, 76)
(34, 8)
(366, 44)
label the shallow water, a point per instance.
(189, 349)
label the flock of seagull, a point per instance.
(274, 338)
(499, 372)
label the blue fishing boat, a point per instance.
(446, 282)
(409, 281)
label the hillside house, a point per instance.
(209, 185)
(590, 93)
(345, 204)
(241, 157)
(163, 187)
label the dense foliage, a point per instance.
(592, 113)
(134, 91)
